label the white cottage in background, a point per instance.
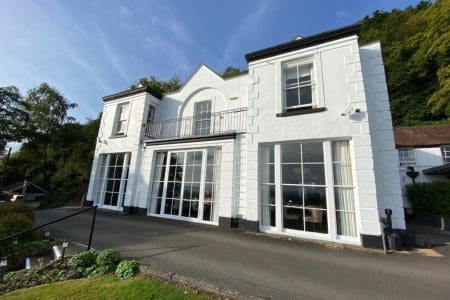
(302, 145)
(424, 150)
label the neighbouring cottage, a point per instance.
(301, 145)
(425, 151)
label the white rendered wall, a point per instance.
(339, 85)
(131, 142)
(385, 154)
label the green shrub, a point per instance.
(83, 260)
(28, 278)
(98, 271)
(16, 207)
(127, 268)
(430, 198)
(15, 222)
(109, 259)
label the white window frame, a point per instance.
(312, 83)
(102, 180)
(445, 150)
(410, 156)
(151, 113)
(201, 200)
(329, 192)
(120, 118)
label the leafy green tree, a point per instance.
(232, 71)
(160, 86)
(47, 111)
(12, 115)
(416, 54)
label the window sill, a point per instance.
(117, 136)
(301, 112)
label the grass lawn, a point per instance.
(108, 287)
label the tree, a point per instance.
(416, 54)
(47, 112)
(159, 86)
(232, 71)
(12, 115)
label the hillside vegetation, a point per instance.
(416, 53)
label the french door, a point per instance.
(112, 179)
(185, 184)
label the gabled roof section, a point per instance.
(308, 41)
(199, 67)
(422, 136)
(133, 92)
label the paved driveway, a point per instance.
(257, 265)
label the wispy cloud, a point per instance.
(250, 25)
(110, 54)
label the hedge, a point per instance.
(430, 198)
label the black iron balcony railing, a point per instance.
(204, 124)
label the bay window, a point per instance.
(303, 183)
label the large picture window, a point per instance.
(303, 187)
(303, 183)
(185, 184)
(112, 179)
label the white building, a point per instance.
(301, 145)
(427, 150)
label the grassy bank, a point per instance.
(108, 287)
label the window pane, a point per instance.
(209, 173)
(316, 220)
(197, 173)
(305, 95)
(268, 215)
(312, 152)
(190, 158)
(313, 174)
(268, 175)
(292, 196)
(292, 97)
(291, 173)
(342, 173)
(346, 224)
(290, 76)
(315, 197)
(268, 194)
(293, 218)
(185, 209)
(267, 154)
(290, 152)
(344, 199)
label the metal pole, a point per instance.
(92, 227)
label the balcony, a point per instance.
(205, 124)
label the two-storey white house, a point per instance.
(301, 145)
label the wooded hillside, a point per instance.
(416, 52)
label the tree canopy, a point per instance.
(160, 86)
(231, 71)
(12, 115)
(416, 53)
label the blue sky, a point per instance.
(89, 49)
